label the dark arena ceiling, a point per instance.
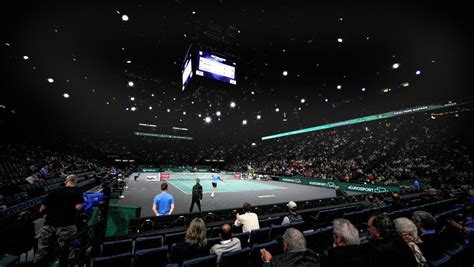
(99, 69)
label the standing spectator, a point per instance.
(407, 229)
(248, 221)
(431, 246)
(292, 217)
(387, 246)
(347, 250)
(194, 244)
(61, 208)
(295, 252)
(416, 184)
(163, 203)
(397, 203)
(227, 244)
(196, 196)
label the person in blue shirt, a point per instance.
(416, 184)
(163, 203)
(214, 178)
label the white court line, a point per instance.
(179, 188)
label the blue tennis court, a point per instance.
(229, 185)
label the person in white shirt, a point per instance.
(227, 244)
(248, 221)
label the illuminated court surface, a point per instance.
(231, 193)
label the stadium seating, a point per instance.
(235, 258)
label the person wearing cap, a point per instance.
(61, 208)
(196, 196)
(292, 216)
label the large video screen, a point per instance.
(216, 67)
(187, 72)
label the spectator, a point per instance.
(44, 171)
(431, 246)
(387, 246)
(466, 226)
(196, 196)
(295, 252)
(292, 217)
(397, 203)
(194, 244)
(407, 229)
(61, 208)
(163, 203)
(248, 220)
(227, 243)
(347, 250)
(339, 192)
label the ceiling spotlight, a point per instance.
(50, 80)
(363, 89)
(218, 113)
(303, 100)
(232, 104)
(184, 112)
(131, 84)
(253, 144)
(194, 12)
(150, 107)
(285, 73)
(129, 61)
(259, 117)
(395, 66)
(326, 100)
(244, 122)
(339, 40)
(25, 57)
(152, 95)
(339, 87)
(168, 110)
(277, 110)
(132, 98)
(418, 72)
(252, 92)
(207, 119)
(340, 19)
(133, 108)
(299, 108)
(124, 17)
(199, 115)
(107, 103)
(66, 95)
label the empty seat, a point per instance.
(170, 239)
(206, 261)
(116, 247)
(244, 238)
(278, 230)
(444, 261)
(148, 242)
(119, 260)
(259, 235)
(151, 257)
(312, 239)
(235, 258)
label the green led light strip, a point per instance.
(362, 119)
(163, 136)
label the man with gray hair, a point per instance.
(61, 208)
(347, 250)
(432, 247)
(295, 252)
(407, 229)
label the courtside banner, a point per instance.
(165, 175)
(342, 185)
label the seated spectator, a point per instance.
(292, 217)
(407, 229)
(295, 252)
(347, 250)
(194, 244)
(248, 221)
(387, 246)
(228, 243)
(466, 226)
(431, 246)
(339, 192)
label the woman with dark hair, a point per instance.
(194, 244)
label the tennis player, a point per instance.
(215, 177)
